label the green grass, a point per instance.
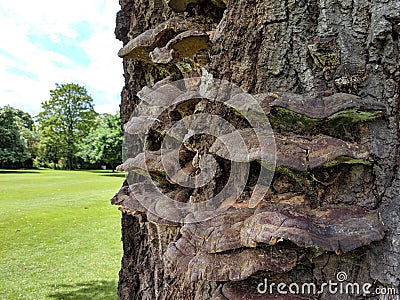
(59, 235)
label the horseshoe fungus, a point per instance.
(128, 200)
(331, 228)
(340, 108)
(139, 47)
(181, 256)
(161, 167)
(177, 43)
(292, 151)
(242, 240)
(185, 44)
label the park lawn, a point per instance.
(59, 235)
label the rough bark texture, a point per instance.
(314, 49)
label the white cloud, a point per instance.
(34, 44)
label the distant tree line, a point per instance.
(67, 133)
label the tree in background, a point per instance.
(104, 143)
(51, 147)
(15, 130)
(66, 119)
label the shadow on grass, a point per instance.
(107, 173)
(86, 291)
(18, 171)
(114, 174)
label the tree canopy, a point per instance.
(104, 143)
(66, 119)
(13, 146)
(66, 133)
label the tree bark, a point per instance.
(313, 49)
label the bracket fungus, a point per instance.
(237, 265)
(331, 228)
(241, 240)
(141, 198)
(334, 228)
(218, 234)
(185, 44)
(127, 201)
(139, 47)
(292, 151)
(176, 42)
(339, 108)
(165, 166)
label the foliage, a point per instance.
(51, 147)
(104, 143)
(69, 133)
(15, 127)
(67, 117)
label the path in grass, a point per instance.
(59, 235)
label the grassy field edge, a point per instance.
(59, 235)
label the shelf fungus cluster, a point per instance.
(241, 242)
(177, 168)
(177, 45)
(244, 239)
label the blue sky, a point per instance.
(45, 42)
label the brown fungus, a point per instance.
(332, 228)
(182, 257)
(292, 151)
(335, 106)
(151, 203)
(127, 201)
(160, 107)
(185, 44)
(341, 108)
(143, 164)
(165, 166)
(120, 196)
(218, 234)
(160, 205)
(239, 264)
(178, 256)
(139, 47)
(140, 124)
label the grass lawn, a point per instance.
(59, 235)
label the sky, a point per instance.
(44, 42)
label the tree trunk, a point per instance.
(315, 51)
